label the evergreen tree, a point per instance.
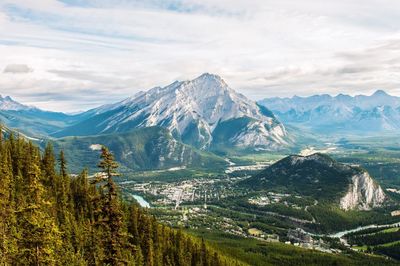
(48, 168)
(39, 236)
(50, 218)
(7, 217)
(112, 214)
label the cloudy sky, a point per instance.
(72, 55)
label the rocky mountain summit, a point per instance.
(204, 112)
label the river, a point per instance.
(342, 233)
(142, 202)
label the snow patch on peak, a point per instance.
(209, 76)
(8, 104)
(192, 110)
(256, 134)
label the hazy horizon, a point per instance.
(127, 96)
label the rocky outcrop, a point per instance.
(363, 193)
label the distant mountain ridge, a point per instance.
(8, 104)
(379, 112)
(33, 121)
(203, 112)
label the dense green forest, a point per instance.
(261, 253)
(392, 251)
(374, 239)
(48, 217)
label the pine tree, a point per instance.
(112, 219)
(133, 225)
(47, 218)
(48, 164)
(7, 216)
(63, 164)
(39, 235)
(64, 204)
(204, 258)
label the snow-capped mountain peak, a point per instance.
(193, 111)
(8, 104)
(342, 113)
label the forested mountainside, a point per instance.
(50, 218)
(322, 178)
(144, 148)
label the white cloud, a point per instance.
(89, 52)
(17, 69)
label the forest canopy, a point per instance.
(48, 217)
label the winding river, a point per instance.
(142, 202)
(343, 233)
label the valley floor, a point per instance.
(210, 204)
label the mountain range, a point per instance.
(33, 121)
(379, 112)
(188, 120)
(191, 123)
(204, 117)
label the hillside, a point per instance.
(33, 121)
(322, 178)
(141, 149)
(50, 218)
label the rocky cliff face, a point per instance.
(363, 193)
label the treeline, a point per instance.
(392, 251)
(367, 231)
(375, 239)
(48, 217)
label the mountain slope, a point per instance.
(322, 178)
(8, 104)
(140, 149)
(33, 121)
(379, 112)
(82, 220)
(192, 111)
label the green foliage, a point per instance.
(140, 149)
(319, 177)
(383, 241)
(50, 218)
(392, 251)
(331, 218)
(257, 253)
